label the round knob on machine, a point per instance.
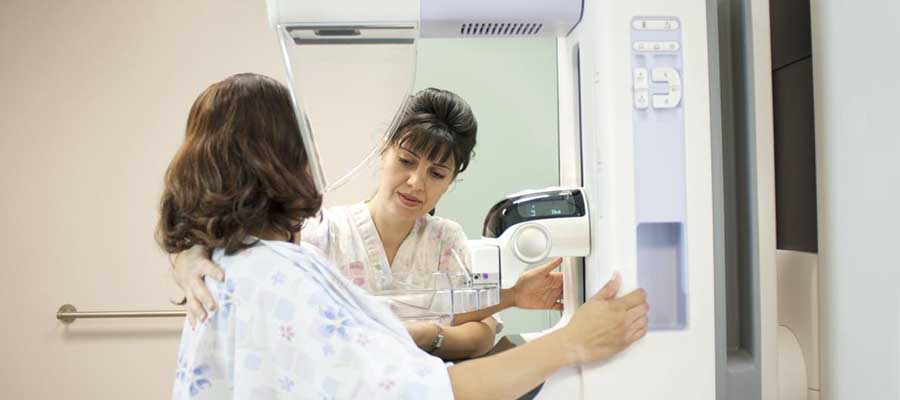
(532, 243)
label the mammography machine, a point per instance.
(642, 175)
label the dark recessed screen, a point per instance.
(546, 208)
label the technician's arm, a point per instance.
(507, 300)
(538, 288)
(188, 270)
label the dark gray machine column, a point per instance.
(737, 248)
(738, 363)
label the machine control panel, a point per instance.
(656, 61)
(657, 85)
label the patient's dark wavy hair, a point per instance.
(439, 125)
(241, 171)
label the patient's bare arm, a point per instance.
(600, 328)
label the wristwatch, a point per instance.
(438, 339)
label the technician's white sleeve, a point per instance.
(288, 326)
(346, 235)
(455, 241)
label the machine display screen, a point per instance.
(547, 208)
(531, 206)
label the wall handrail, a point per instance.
(67, 313)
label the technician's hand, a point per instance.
(190, 267)
(604, 325)
(540, 288)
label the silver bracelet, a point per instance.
(438, 339)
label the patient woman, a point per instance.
(288, 324)
(392, 237)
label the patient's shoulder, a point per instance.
(270, 265)
(269, 257)
(269, 276)
(255, 259)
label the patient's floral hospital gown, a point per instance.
(289, 326)
(347, 235)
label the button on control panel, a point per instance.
(642, 24)
(641, 79)
(656, 46)
(672, 83)
(641, 99)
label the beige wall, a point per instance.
(93, 104)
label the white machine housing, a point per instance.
(433, 18)
(529, 227)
